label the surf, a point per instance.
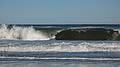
(58, 46)
(21, 33)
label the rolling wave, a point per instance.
(33, 33)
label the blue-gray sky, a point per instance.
(59, 11)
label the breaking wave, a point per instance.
(35, 32)
(22, 33)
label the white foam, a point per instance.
(63, 47)
(26, 33)
(117, 30)
(55, 58)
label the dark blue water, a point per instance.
(37, 26)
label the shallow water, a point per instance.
(59, 53)
(57, 64)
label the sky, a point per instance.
(59, 11)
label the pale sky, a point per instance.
(59, 11)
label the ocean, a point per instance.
(33, 45)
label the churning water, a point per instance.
(26, 33)
(19, 43)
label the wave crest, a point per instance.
(23, 33)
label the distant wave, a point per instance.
(22, 33)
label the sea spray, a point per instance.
(23, 33)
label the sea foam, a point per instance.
(30, 46)
(22, 33)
